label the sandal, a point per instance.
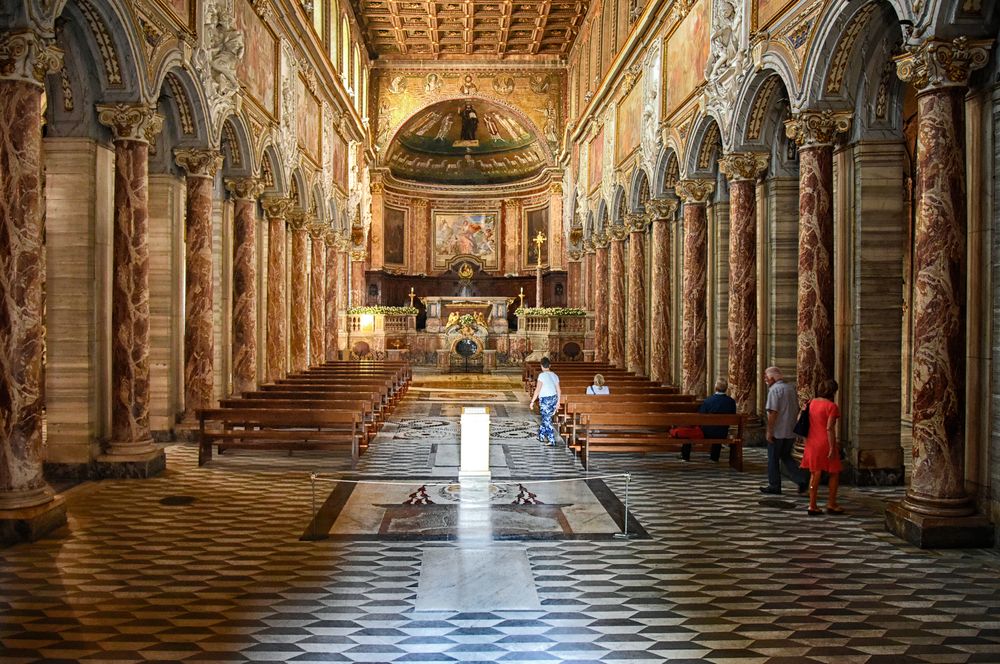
(815, 512)
(835, 510)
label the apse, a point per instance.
(465, 142)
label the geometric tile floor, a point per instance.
(206, 565)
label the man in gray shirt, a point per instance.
(782, 412)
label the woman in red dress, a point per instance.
(822, 453)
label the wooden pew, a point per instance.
(573, 410)
(649, 433)
(290, 429)
(363, 406)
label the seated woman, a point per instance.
(598, 387)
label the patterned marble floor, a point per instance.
(206, 565)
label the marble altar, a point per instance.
(492, 309)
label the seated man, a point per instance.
(719, 403)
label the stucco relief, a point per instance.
(726, 61)
(608, 163)
(216, 59)
(287, 134)
(650, 137)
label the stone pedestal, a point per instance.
(489, 361)
(475, 443)
(443, 360)
(32, 523)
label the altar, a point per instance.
(441, 309)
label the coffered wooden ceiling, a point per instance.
(471, 29)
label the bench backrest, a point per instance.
(289, 417)
(649, 420)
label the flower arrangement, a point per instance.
(388, 311)
(549, 312)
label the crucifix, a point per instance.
(412, 295)
(539, 240)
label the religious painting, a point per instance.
(258, 70)
(629, 123)
(394, 246)
(339, 151)
(181, 10)
(309, 116)
(536, 221)
(687, 55)
(766, 12)
(465, 234)
(595, 160)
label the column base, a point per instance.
(131, 466)
(32, 523)
(935, 532)
(873, 476)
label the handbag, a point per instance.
(801, 427)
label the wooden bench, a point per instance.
(650, 433)
(363, 406)
(574, 409)
(285, 429)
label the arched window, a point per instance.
(356, 79)
(345, 45)
(334, 31)
(364, 93)
(319, 6)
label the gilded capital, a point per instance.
(938, 63)
(420, 205)
(358, 255)
(600, 240)
(244, 189)
(318, 231)
(556, 188)
(694, 191)
(813, 128)
(198, 162)
(377, 186)
(131, 122)
(738, 166)
(588, 246)
(575, 254)
(635, 222)
(276, 207)
(28, 57)
(662, 209)
(298, 219)
(619, 232)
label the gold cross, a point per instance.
(539, 240)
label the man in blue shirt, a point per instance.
(719, 403)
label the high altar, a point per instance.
(492, 309)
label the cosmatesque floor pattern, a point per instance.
(207, 565)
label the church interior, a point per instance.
(278, 277)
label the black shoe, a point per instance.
(685, 458)
(770, 490)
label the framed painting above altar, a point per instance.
(465, 234)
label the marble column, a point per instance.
(245, 192)
(694, 194)
(276, 209)
(200, 166)
(616, 296)
(317, 294)
(662, 214)
(330, 294)
(814, 132)
(742, 170)
(635, 315)
(299, 320)
(601, 298)
(937, 511)
(27, 507)
(131, 451)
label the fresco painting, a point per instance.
(309, 115)
(766, 11)
(536, 221)
(258, 69)
(595, 160)
(629, 123)
(394, 222)
(182, 10)
(687, 55)
(339, 151)
(465, 234)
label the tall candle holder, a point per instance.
(412, 295)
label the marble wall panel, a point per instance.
(79, 190)
(993, 445)
(166, 315)
(222, 286)
(718, 292)
(781, 234)
(263, 240)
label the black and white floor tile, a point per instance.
(206, 565)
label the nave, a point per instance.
(209, 564)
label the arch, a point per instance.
(317, 202)
(298, 191)
(618, 205)
(272, 171)
(183, 96)
(757, 93)
(345, 41)
(602, 216)
(639, 190)
(527, 122)
(588, 225)
(113, 44)
(236, 147)
(704, 145)
(666, 173)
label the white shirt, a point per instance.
(594, 389)
(550, 384)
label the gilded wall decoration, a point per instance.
(766, 12)
(838, 67)
(687, 55)
(258, 70)
(465, 234)
(106, 45)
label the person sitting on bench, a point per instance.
(598, 387)
(719, 403)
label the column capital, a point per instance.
(131, 122)
(244, 189)
(618, 232)
(661, 209)
(816, 128)
(199, 162)
(636, 222)
(358, 255)
(28, 57)
(330, 239)
(938, 63)
(298, 219)
(575, 255)
(694, 191)
(600, 240)
(588, 247)
(741, 166)
(555, 188)
(276, 207)
(318, 231)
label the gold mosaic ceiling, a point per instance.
(473, 29)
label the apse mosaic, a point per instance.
(465, 141)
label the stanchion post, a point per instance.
(625, 534)
(312, 519)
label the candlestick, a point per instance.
(412, 295)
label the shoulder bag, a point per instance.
(801, 427)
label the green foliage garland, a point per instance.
(549, 312)
(388, 311)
